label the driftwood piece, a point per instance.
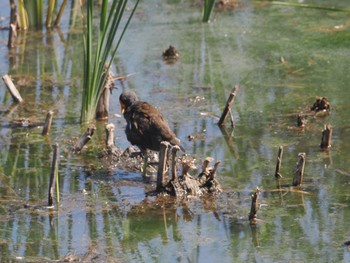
(13, 24)
(110, 135)
(255, 206)
(48, 122)
(12, 88)
(228, 107)
(84, 138)
(161, 174)
(299, 170)
(326, 137)
(54, 167)
(279, 162)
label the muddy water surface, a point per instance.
(282, 57)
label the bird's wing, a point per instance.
(159, 123)
(151, 124)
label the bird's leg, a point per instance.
(145, 162)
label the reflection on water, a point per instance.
(282, 57)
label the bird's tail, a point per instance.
(182, 148)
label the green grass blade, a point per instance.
(49, 15)
(104, 11)
(207, 9)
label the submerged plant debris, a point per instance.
(171, 54)
(321, 104)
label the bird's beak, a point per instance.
(122, 107)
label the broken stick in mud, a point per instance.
(227, 109)
(279, 163)
(84, 138)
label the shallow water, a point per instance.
(107, 215)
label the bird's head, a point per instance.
(126, 99)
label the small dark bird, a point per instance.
(146, 127)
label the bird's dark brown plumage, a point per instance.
(146, 126)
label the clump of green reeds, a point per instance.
(100, 50)
(31, 13)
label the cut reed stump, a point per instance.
(227, 109)
(326, 137)
(111, 156)
(301, 121)
(279, 163)
(54, 172)
(110, 135)
(255, 206)
(13, 24)
(48, 122)
(84, 138)
(161, 174)
(102, 110)
(299, 170)
(12, 88)
(174, 152)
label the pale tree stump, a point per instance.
(110, 135)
